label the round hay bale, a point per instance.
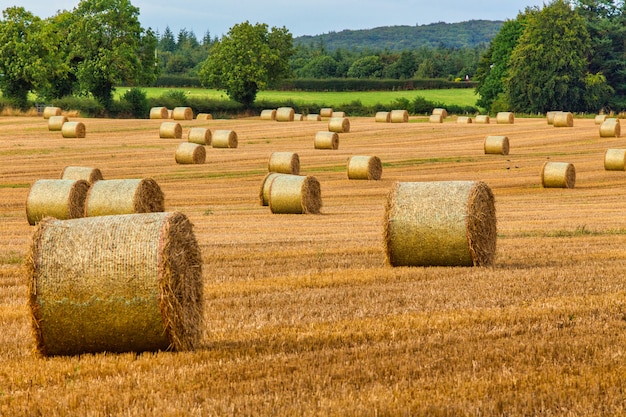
(264, 192)
(88, 174)
(182, 113)
(558, 175)
(442, 112)
(159, 113)
(298, 117)
(295, 194)
(55, 123)
(284, 163)
(199, 135)
(130, 283)
(610, 128)
(339, 124)
(204, 116)
(62, 199)
(73, 130)
(326, 140)
(399, 116)
(563, 119)
(190, 153)
(550, 116)
(268, 114)
(364, 168)
(326, 112)
(498, 145)
(505, 117)
(435, 118)
(170, 114)
(464, 120)
(615, 160)
(339, 114)
(50, 111)
(285, 114)
(170, 130)
(313, 118)
(224, 139)
(383, 117)
(600, 118)
(124, 196)
(483, 119)
(448, 223)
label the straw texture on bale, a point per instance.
(170, 114)
(130, 283)
(199, 135)
(124, 196)
(483, 119)
(204, 116)
(73, 130)
(558, 175)
(364, 168)
(339, 114)
(550, 116)
(190, 153)
(284, 163)
(313, 118)
(182, 113)
(171, 130)
(295, 194)
(435, 118)
(498, 145)
(339, 124)
(264, 192)
(383, 117)
(563, 119)
(442, 112)
(298, 117)
(464, 120)
(159, 113)
(326, 140)
(285, 114)
(88, 174)
(62, 199)
(448, 223)
(399, 116)
(615, 160)
(326, 112)
(50, 111)
(610, 128)
(268, 114)
(55, 123)
(224, 139)
(600, 118)
(505, 117)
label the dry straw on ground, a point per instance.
(498, 145)
(464, 120)
(505, 117)
(447, 223)
(558, 175)
(600, 118)
(199, 135)
(204, 116)
(339, 124)
(399, 116)
(159, 113)
(313, 117)
(284, 163)
(182, 113)
(615, 160)
(170, 130)
(264, 192)
(285, 114)
(224, 139)
(382, 117)
(326, 140)
(50, 111)
(295, 194)
(73, 130)
(115, 284)
(55, 123)
(442, 112)
(268, 114)
(190, 153)
(610, 128)
(62, 199)
(88, 174)
(124, 196)
(435, 118)
(563, 119)
(483, 119)
(326, 112)
(364, 168)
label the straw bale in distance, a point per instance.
(199, 135)
(364, 168)
(435, 118)
(610, 128)
(50, 111)
(190, 153)
(182, 113)
(268, 114)
(159, 113)
(224, 139)
(124, 196)
(558, 175)
(464, 120)
(550, 116)
(615, 160)
(295, 194)
(62, 199)
(115, 284)
(447, 223)
(313, 117)
(442, 112)
(399, 116)
(505, 117)
(284, 163)
(298, 117)
(498, 145)
(55, 123)
(264, 192)
(285, 114)
(88, 174)
(339, 114)
(170, 130)
(483, 119)
(383, 117)
(204, 116)
(326, 112)
(339, 125)
(73, 130)
(326, 140)
(563, 119)
(600, 118)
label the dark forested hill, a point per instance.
(398, 38)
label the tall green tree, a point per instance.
(248, 59)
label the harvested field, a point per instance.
(302, 314)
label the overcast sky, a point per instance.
(299, 17)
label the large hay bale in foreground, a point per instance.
(285, 114)
(204, 116)
(115, 284)
(264, 192)
(182, 113)
(382, 117)
(610, 128)
(73, 130)
(599, 119)
(190, 153)
(295, 194)
(326, 112)
(124, 196)
(615, 160)
(498, 145)
(88, 174)
(170, 130)
(339, 124)
(364, 167)
(563, 119)
(505, 117)
(312, 117)
(224, 139)
(199, 135)
(159, 113)
(435, 118)
(326, 140)
(442, 112)
(448, 223)
(483, 119)
(558, 175)
(55, 123)
(268, 114)
(50, 111)
(284, 163)
(62, 199)
(399, 116)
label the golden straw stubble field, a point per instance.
(303, 316)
